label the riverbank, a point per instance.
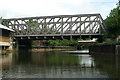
(105, 48)
(46, 48)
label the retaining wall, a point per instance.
(118, 49)
(105, 49)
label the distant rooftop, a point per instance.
(6, 28)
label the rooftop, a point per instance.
(6, 28)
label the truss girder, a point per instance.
(64, 24)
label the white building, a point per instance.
(5, 38)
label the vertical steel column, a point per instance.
(80, 26)
(61, 25)
(45, 27)
(84, 28)
(70, 27)
(90, 25)
(99, 29)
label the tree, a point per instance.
(113, 23)
(32, 23)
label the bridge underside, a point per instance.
(55, 37)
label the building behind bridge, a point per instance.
(5, 38)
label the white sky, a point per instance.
(33, 8)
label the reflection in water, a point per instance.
(108, 64)
(56, 64)
(6, 61)
(78, 51)
(0, 66)
(86, 61)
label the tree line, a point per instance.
(113, 24)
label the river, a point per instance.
(59, 64)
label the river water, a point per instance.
(59, 64)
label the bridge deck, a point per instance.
(57, 36)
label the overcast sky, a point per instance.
(33, 8)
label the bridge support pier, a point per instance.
(24, 44)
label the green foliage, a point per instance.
(73, 42)
(64, 42)
(113, 23)
(31, 23)
(3, 23)
(80, 39)
(54, 42)
(111, 42)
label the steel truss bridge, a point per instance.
(57, 27)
